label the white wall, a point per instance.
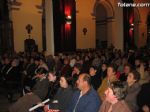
(84, 20)
(28, 14)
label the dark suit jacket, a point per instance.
(63, 96)
(13, 74)
(41, 88)
(5, 69)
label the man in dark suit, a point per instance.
(12, 79)
(5, 67)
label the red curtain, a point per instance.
(64, 25)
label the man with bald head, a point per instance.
(86, 98)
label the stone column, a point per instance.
(49, 27)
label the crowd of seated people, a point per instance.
(79, 81)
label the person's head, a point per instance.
(84, 81)
(111, 70)
(127, 68)
(137, 62)
(78, 57)
(15, 62)
(93, 70)
(66, 61)
(116, 92)
(77, 67)
(25, 60)
(133, 77)
(124, 61)
(41, 61)
(31, 60)
(65, 81)
(86, 58)
(72, 62)
(41, 72)
(52, 76)
(146, 108)
(37, 60)
(104, 66)
(7, 60)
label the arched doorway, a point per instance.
(136, 27)
(104, 13)
(101, 26)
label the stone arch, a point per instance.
(104, 13)
(137, 15)
(108, 6)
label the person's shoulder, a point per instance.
(93, 93)
(59, 89)
(70, 89)
(94, 97)
(136, 85)
(46, 80)
(77, 91)
(76, 94)
(124, 106)
(104, 80)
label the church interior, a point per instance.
(72, 38)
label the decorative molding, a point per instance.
(39, 7)
(111, 7)
(14, 3)
(14, 8)
(105, 21)
(40, 12)
(107, 4)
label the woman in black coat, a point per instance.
(63, 96)
(95, 77)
